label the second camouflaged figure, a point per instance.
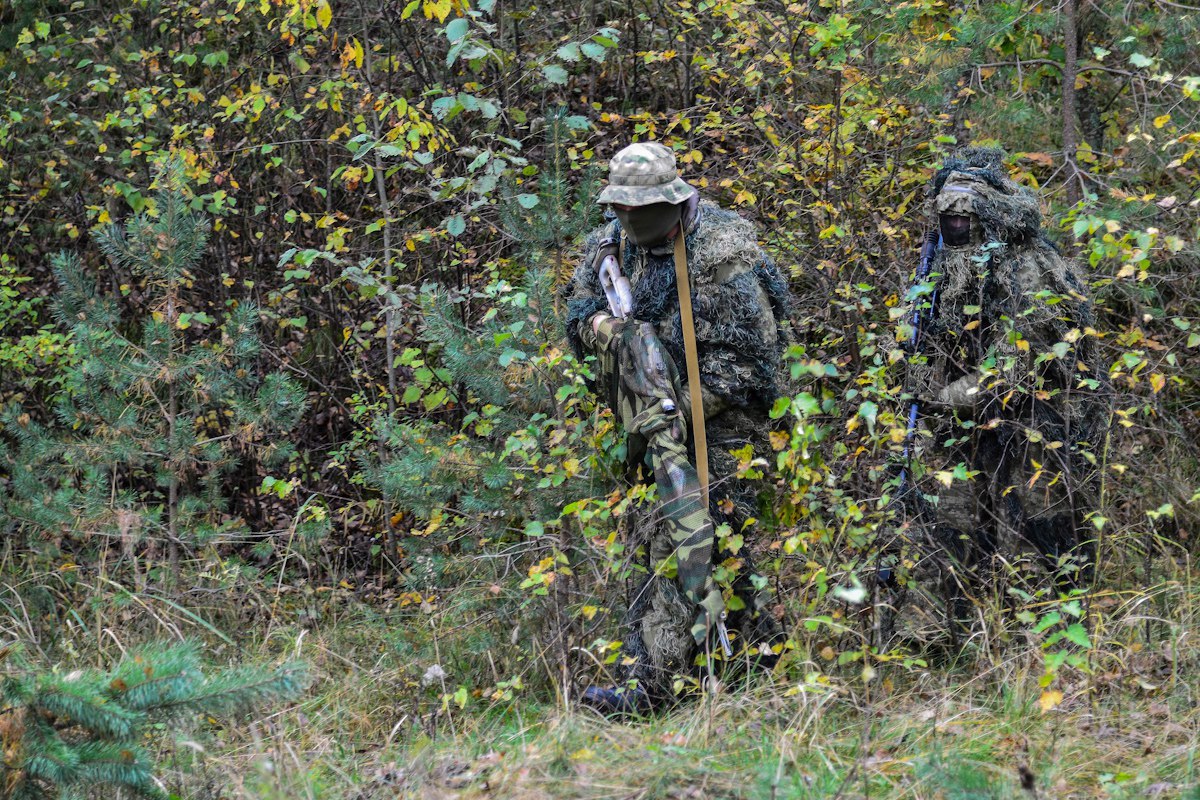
(1013, 401)
(740, 301)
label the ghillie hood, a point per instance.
(1008, 212)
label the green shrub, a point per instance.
(64, 733)
(154, 413)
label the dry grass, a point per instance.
(371, 729)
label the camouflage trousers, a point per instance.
(673, 612)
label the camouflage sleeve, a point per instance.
(739, 331)
(583, 295)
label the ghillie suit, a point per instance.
(1013, 399)
(739, 300)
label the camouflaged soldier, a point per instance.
(1009, 387)
(739, 300)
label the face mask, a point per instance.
(957, 218)
(956, 229)
(648, 226)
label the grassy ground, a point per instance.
(1129, 729)
(375, 724)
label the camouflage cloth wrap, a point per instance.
(647, 404)
(1009, 386)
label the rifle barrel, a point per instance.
(929, 250)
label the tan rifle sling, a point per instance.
(693, 362)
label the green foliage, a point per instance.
(548, 221)
(27, 345)
(493, 422)
(958, 776)
(66, 733)
(520, 407)
(154, 413)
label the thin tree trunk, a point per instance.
(391, 547)
(1070, 130)
(173, 462)
(385, 208)
(1091, 125)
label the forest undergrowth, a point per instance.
(380, 723)
(302, 494)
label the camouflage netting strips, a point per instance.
(1010, 319)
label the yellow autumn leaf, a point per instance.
(435, 522)
(1050, 699)
(1157, 382)
(324, 14)
(436, 8)
(1163, 120)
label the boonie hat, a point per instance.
(645, 173)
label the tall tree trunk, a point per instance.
(1090, 23)
(391, 546)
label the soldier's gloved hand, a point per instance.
(713, 404)
(605, 329)
(962, 395)
(647, 369)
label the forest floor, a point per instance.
(371, 728)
